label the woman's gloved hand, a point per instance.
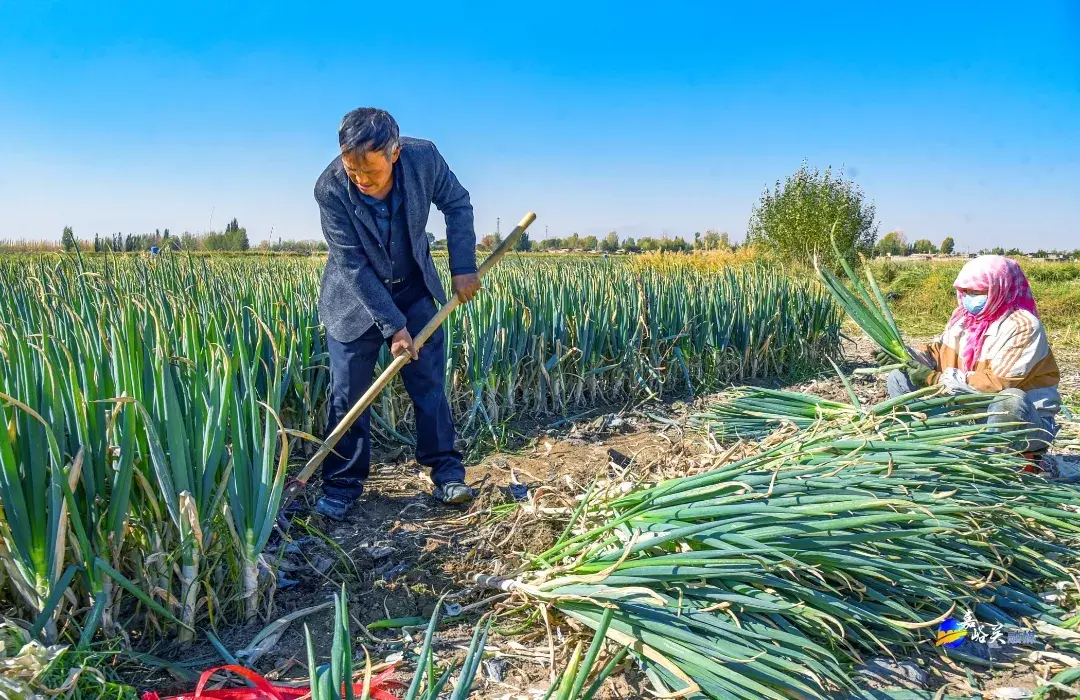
(883, 358)
(918, 373)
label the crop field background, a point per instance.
(923, 296)
(549, 336)
(154, 406)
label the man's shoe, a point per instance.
(454, 493)
(295, 508)
(333, 507)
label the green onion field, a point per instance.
(152, 409)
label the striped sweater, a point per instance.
(1015, 354)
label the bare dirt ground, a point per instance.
(401, 550)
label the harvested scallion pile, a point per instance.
(771, 576)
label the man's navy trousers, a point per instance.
(352, 369)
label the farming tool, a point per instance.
(297, 485)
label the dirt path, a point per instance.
(400, 550)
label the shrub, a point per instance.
(794, 219)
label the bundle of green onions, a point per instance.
(770, 576)
(754, 412)
(570, 684)
(336, 680)
(871, 314)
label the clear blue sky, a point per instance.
(957, 119)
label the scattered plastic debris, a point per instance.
(322, 564)
(396, 571)
(903, 674)
(495, 669)
(377, 553)
(381, 684)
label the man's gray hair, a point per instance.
(369, 129)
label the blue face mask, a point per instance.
(974, 303)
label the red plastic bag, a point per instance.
(265, 690)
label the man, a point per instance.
(994, 343)
(379, 288)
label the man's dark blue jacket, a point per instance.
(355, 292)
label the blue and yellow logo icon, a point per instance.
(950, 634)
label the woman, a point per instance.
(994, 343)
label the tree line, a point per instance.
(1039, 254)
(896, 243)
(611, 243)
(233, 239)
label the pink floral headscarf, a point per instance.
(1007, 289)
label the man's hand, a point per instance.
(465, 287)
(919, 374)
(402, 344)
